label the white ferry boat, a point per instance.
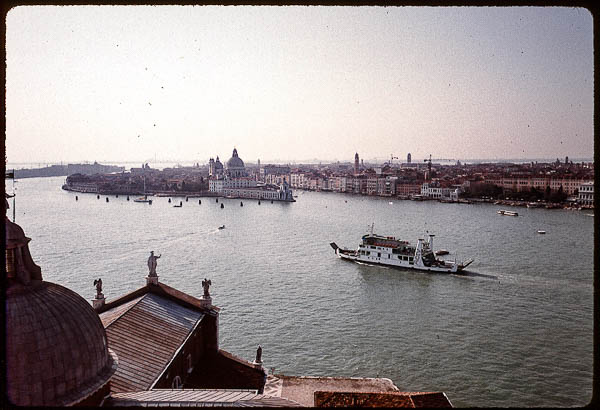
(389, 251)
(508, 213)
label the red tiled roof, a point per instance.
(146, 332)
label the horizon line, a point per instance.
(302, 161)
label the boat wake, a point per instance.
(470, 274)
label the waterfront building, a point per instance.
(372, 185)
(586, 194)
(388, 187)
(405, 188)
(435, 190)
(275, 174)
(520, 183)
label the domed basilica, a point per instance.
(234, 182)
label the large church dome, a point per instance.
(235, 161)
(56, 346)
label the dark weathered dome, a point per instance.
(56, 347)
(235, 161)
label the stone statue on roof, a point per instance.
(258, 355)
(152, 263)
(206, 284)
(98, 284)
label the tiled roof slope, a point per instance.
(145, 337)
(162, 290)
(197, 398)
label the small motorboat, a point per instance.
(143, 199)
(541, 232)
(441, 252)
(222, 227)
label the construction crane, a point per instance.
(428, 165)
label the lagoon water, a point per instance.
(515, 330)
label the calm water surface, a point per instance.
(516, 330)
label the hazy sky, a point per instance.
(121, 83)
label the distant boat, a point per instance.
(507, 213)
(541, 232)
(222, 227)
(143, 199)
(178, 206)
(442, 252)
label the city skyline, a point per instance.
(286, 84)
